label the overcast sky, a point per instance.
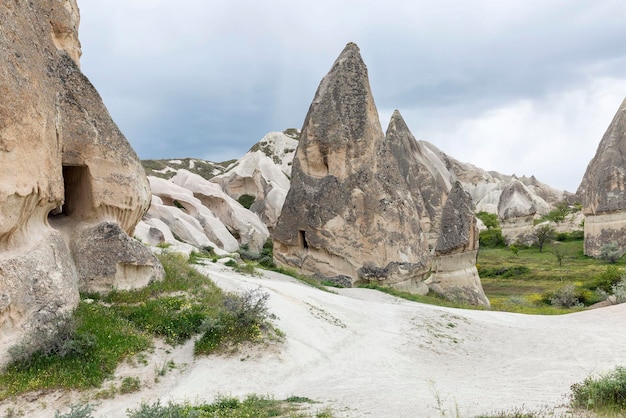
(517, 86)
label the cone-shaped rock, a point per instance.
(454, 267)
(603, 189)
(349, 215)
(427, 178)
(517, 207)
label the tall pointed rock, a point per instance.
(603, 189)
(349, 215)
(426, 176)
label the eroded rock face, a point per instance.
(603, 189)
(349, 215)
(65, 163)
(454, 267)
(517, 208)
(427, 178)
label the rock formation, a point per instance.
(349, 215)
(454, 267)
(517, 208)
(66, 168)
(262, 174)
(603, 190)
(424, 173)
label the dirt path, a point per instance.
(364, 353)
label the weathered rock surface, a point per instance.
(454, 267)
(349, 214)
(517, 208)
(65, 164)
(424, 173)
(263, 173)
(603, 189)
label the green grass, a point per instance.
(527, 280)
(252, 406)
(121, 324)
(430, 299)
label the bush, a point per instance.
(565, 297)
(605, 281)
(605, 393)
(77, 411)
(246, 200)
(243, 318)
(491, 238)
(504, 272)
(610, 253)
(619, 290)
(570, 236)
(489, 219)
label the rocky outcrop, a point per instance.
(423, 172)
(263, 175)
(455, 275)
(517, 208)
(66, 166)
(349, 215)
(603, 190)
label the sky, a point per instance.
(525, 87)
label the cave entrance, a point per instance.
(302, 239)
(77, 194)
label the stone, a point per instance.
(66, 166)
(349, 212)
(455, 275)
(106, 258)
(603, 190)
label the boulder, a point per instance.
(349, 215)
(106, 258)
(603, 190)
(455, 275)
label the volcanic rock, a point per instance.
(349, 214)
(424, 173)
(517, 208)
(454, 267)
(603, 189)
(66, 166)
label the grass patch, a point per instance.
(527, 280)
(430, 299)
(252, 406)
(603, 394)
(121, 324)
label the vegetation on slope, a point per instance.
(104, 330)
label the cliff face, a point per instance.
(603, 189)
(349, 215)
(66, 167)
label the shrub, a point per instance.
(246, 200)
(605, 393)
(565, 297)
(504, 272)
(610, 253)
(130, 384)
(243, 317)
(605, 281)
(619, 290)
(489, 219)
(491, 238)
(77, 411)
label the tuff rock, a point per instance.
(454, 266)
(603, 190)
(349, 213)
(424, 173)
(66, 166)
(517, 208)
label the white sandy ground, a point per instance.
(367, 354)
